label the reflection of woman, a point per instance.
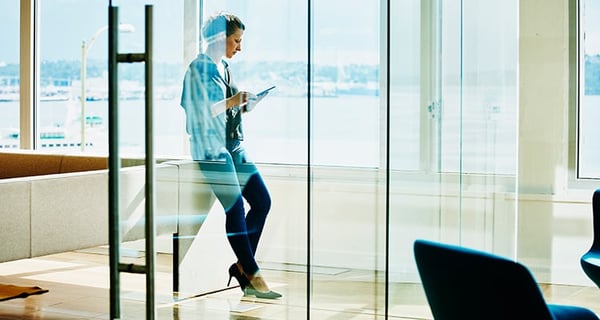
(214, 108)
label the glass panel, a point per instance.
(9, 74)
(273, 52)
(589, 147)
(414, 187)
(180, 198)
(464, 101)
(346, 210)
(479, 120)
(168, 68)
(480, 93)
(345, 84)
(405, 64)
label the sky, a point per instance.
(275, 29)
(592, 26)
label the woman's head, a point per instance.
(224, 30)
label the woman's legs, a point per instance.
(256, 194)
(243, 231)
(259, 200)
(222, 177)
(237, 234)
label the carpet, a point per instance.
(9, 291)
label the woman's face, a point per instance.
(234, 43)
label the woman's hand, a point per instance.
(253, 100)
(240, 99)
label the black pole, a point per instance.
(308, 165)
(113, 163)
(150, 167)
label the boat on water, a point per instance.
(9, 96)
(55, 132)
(10, 133)
(52, 132)
(47, 93)
(94, 121)
(57, 136)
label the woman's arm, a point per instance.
(239, 99)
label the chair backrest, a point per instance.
(596, 219)
(462, 283)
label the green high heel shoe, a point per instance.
(250, 291)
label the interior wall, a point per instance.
(551, 216)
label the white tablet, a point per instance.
(262, 93)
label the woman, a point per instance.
(214, 108)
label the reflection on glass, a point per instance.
(9, 75)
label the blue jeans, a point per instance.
(232, 178)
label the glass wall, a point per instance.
(9, 74)
(452, 133)
(358, 167)
(341, 224)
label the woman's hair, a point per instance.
(219, 23)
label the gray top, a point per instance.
(203, 86)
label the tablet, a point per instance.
(262, 93)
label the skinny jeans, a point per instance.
(233, 179)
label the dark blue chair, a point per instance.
(590, 261)
(466, 284)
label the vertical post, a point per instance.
(28, 84)
(113, 164)
(309, 161)
(150, 167)
(176, 264)
(388, 79)
(82, 96)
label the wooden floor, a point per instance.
(78, 289)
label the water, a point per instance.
(345, 130)
(276, 130)
(65, 116)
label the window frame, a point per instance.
(576, 88)
(28, 70)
